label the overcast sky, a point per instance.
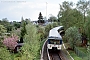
(13, 10)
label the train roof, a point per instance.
(57, 28)
(53, 33)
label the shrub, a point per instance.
(4, 54)
(11, 42)
(73, 36)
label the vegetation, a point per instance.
(52, 19)
(87, 26)
(41, 32)
(73, 36)
(2, 30)
(75, 57)
(70, 17)
(49, 27)
(83, 6)
(31, 46)
(40, 18)
(76, 22)
(23, 31)
(4, 54)
(11, 42)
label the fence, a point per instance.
(80, 53)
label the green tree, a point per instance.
(10, 28)
(64, 13)
(52, 18)
(27, 21)
(87, 26)
(41, 32)
(23, 31)
(16, 24)
(2, 29)
(55, 24)
(76, 18)
(4, 54)
(65, 6)
(40, 18)
(5, 23)
(32, 43)
(69, 17)
(47, 29)
(73, 36)
(83, 6)
(88, 15)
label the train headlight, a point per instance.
(50, 45)
(58, 46)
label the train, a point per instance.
(55, 38)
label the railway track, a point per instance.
(54, 55)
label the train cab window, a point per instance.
(60, 41)
(52, 41)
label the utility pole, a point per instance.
(46, 10)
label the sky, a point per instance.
(13, 10)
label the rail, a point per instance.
(54, 55)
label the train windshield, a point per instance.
(53, 41)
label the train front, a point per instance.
(55, 38)
(54, 43)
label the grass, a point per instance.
(72, 53)
(83, 49)
(67, 55)
(75, 57)
(42, 42)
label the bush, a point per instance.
(10, 42)
(4, 54)
(41, 32)
(73, 36)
